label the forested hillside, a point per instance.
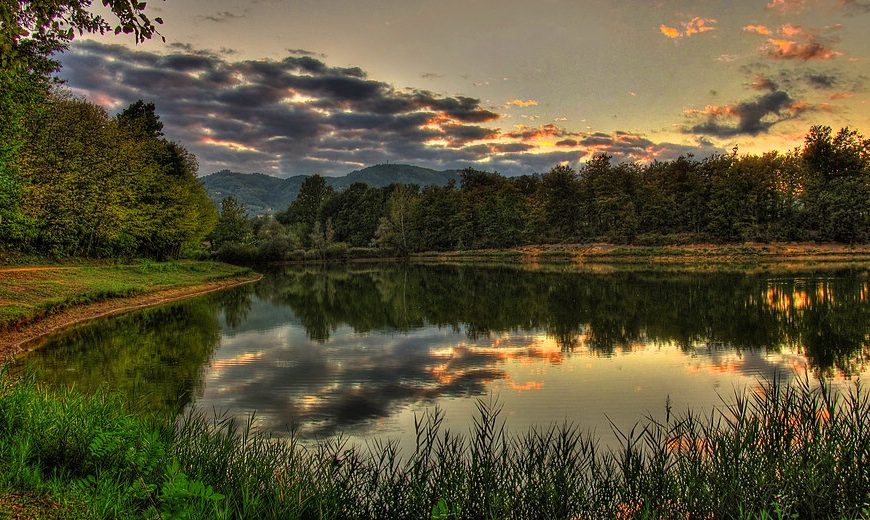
(264, 194)
(818, 193)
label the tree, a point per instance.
(305, 210)
(837, 190)
(393, 228)
(33, 30)
(141, 118)
(559, 198)
(233, 226)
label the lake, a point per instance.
(362, 350)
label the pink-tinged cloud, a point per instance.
(696, 25)
(762, 82)
(794, 31)
(793, 42)
(523, 103)
(787, 6)
(758, 29)
(782, 49)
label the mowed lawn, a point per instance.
(29, 292)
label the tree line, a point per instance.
(75, 181)
(87, 184)
(820, 192)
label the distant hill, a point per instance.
(264, 194)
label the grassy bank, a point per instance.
(30, 292)
(749, 254)
(784, 452)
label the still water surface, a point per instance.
(362, 350)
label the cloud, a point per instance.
(299, 115)
(787, 6)
(854, 7)
(803, 80)
(221, 16)
(762, 82)
(795, 42)
(696, 25)
(758, 29)
(670, 32)
(781, 49)
(523, 103)
(821, 81)
(751, 117)
(305, 52)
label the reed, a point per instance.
(784, 451)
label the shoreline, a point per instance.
(603, 254)
(27, 337)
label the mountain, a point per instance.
(385, 174)
(264, 194)
(261, 194)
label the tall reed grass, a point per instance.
(784, 451)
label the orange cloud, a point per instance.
(696, 25)
(670, 32)
(758, 29)
(787, 6)
(762, 82)
(232, 145)
(793, 42)
(521, 103)
(781, 49)
(525, 387)
(712, 111)
(699, 25)
(792, 31)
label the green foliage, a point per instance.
(18, 94)
(95, 187)
(232, 225)
(765, 454)
(33, 30)
(141, 118)
(820, 193)
(305, 210)
(838, 184)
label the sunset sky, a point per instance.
(329, 86)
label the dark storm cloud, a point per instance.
(299, 115)
(305, 52)
(746, 118)
(802, 82)
(821, 80)
(286, 110)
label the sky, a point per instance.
(330, 86)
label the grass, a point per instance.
(31, 292)
(781, 452)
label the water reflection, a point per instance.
(359, 350)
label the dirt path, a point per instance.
(14, 342)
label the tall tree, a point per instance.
(837, 191)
